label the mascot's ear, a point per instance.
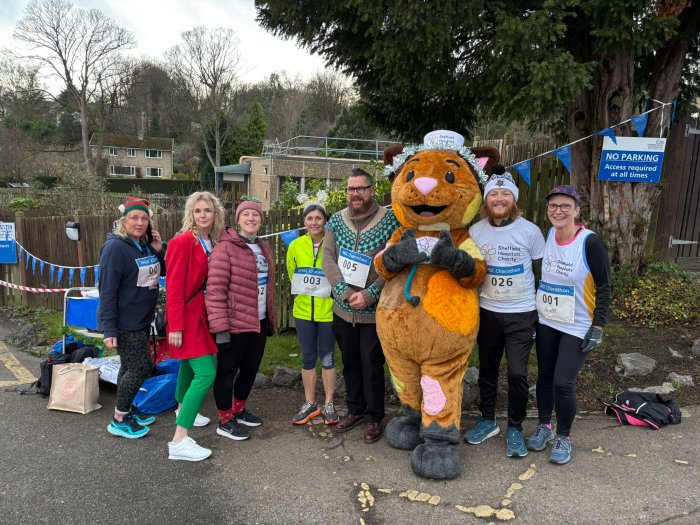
(487, 157)
(389, 154)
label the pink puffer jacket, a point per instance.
(232, 286)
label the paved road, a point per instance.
(65, 468)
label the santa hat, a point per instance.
(501, 180)
(134, 203)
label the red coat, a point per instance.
(232, 293)
(187, 271)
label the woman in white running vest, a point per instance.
(573, 299)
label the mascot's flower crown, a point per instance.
(441, 139)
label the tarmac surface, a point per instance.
(59, 467)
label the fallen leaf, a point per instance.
(598, 450)
(631, 455)
(385, 491)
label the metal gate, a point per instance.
(678, 220)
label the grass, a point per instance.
(284, 350)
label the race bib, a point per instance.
(149, 272)
(310, 281)
(354, 267)
(426, 245)
(505, 283)
(556, 302)
(262, 291)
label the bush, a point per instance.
(23, 204)
(662, 295)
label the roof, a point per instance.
(119, 140)
(235, 168)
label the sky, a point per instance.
(157, 25)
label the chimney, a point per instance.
(143, 125)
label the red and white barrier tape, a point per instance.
(30, 289)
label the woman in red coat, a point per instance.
(188, 330)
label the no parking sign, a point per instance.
(8, 251)
(632, 159)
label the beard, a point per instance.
(362, 208)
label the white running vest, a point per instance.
(566, 295)
(509, 286)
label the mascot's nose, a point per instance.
(425, 184)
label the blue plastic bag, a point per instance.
(169, 366)
(157, 394)
(57, 348)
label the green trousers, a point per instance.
(193, 383)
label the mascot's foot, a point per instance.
(436, 461)
(402, 431)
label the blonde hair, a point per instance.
(120, 229)
(515, 212)
(188, 224)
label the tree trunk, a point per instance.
(84, 121)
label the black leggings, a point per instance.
(242, 356)
(135, 368)
(559, 360)
(514, 333)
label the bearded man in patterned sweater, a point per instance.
(354, 236)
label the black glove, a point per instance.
(404, 253)
(445, 255)
(593, 339)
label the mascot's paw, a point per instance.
(404, 253)
(436, 460)
(444, 254)
(402, 432)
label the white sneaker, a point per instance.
(187, 450)
(199, 421)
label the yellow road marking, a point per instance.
(13, 365)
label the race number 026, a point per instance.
(501, 281)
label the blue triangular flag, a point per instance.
(41, 268)
(608, 132)
(96, 269)
(60, 274)
(83, 271)
(26, 261)
(524, 170)
(289, 236)
(640, 123)
(673, 113)
(51, 270)
(71, 273)
(33, 266)
(564, 154)
(19, 253)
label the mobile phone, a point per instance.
(149, 232)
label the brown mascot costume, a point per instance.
(428, 312)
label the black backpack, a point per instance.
(43, 384)
(643, 409)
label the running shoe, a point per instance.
(540, 437)
(247, 418)
(127, 428)
(561, 450)
(142, 419)
(331, 415)
(484, 429)
(187, 450)
(199, 421)
(515, 446)
(307, 412)
(233, 430)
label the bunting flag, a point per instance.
(33, 266)
(564, 154)
(41, 268)
(71, 273)
(524, 170)
(673, 111)
(83, 272)
(640, 123)
(51, 270)
(60, 273)
(96, 269)
(289, 236)
(26, 261)
(608, 132)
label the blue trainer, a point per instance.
(484, 429)
(561, 450)
(540, 437)
(127, 428)
(141, 418)
(515, 446)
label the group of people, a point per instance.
(220, 302)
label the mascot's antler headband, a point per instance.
(441, 139)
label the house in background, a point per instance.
(136, 156)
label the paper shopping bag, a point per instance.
(74, 388)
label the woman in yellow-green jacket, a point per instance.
(313, 314)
